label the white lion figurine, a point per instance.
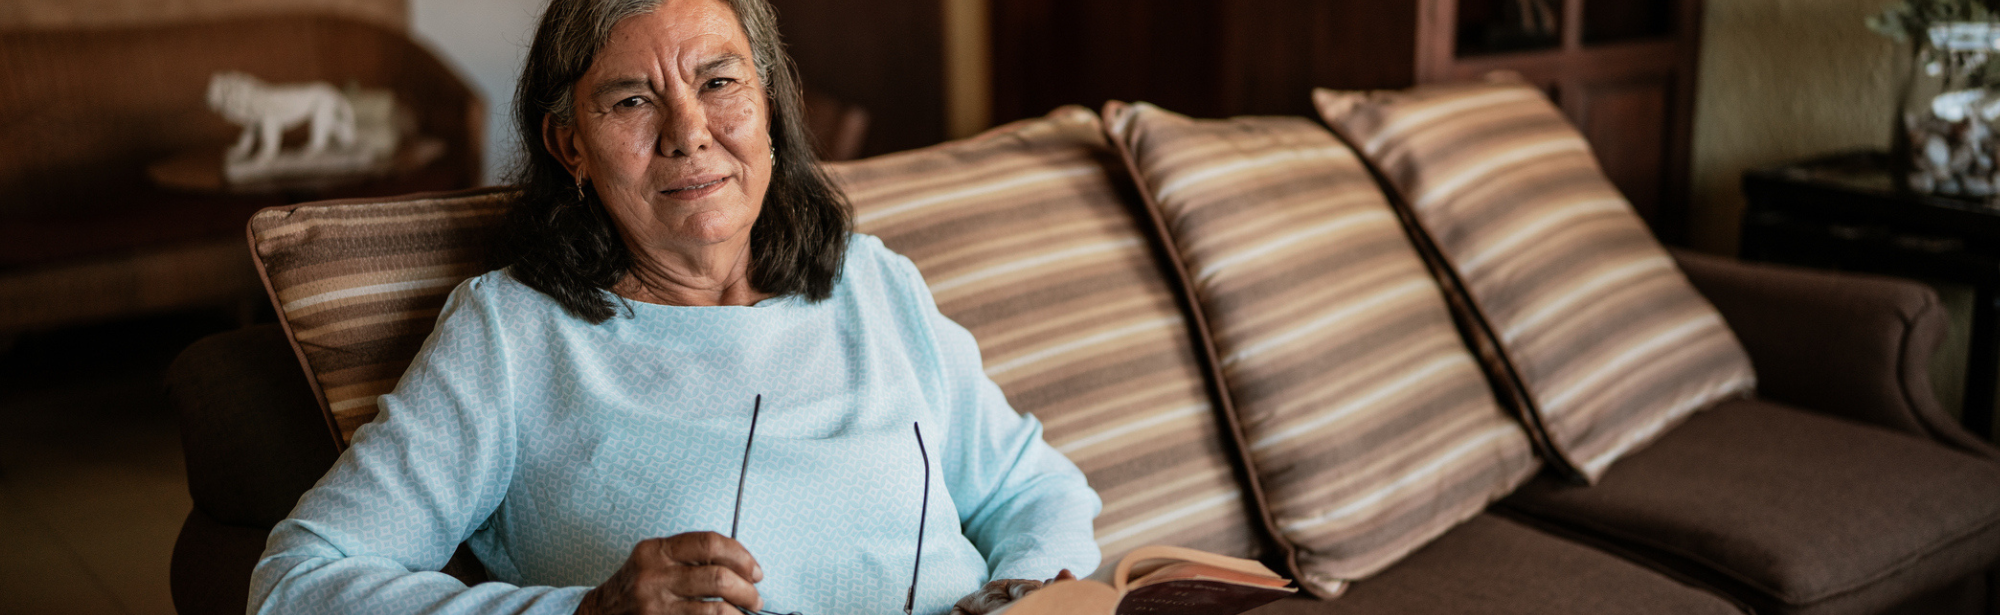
(266, 111)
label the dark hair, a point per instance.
(560, 241)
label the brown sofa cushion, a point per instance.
(1600, 329)
(358, 284)
(1794, 511)
(1029, 237)
(1495, 566)
(1367, 421)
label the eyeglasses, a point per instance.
(923, 513)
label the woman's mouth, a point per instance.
(696, 191)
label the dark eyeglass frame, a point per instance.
(923, 515)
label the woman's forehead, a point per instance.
(696, 34)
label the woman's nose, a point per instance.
(685, 131)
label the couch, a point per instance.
(1123, 272)
(86, 235)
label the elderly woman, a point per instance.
(681, 276)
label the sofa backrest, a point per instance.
(86, 110)
(1034, 237)
(1031, 237)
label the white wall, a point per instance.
(485, 41)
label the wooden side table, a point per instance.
(1846, 212)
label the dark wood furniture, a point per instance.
(1846, 212)
(1624, 70)
(879, 55)
(86, 234)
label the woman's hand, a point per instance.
(680, 574)
(999, 592)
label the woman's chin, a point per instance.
(711, 228)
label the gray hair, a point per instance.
(560, 241)
(582, 29)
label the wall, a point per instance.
(85, 13)
(1782, 80)
(485, 41)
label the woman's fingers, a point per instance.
(710, 549)
(697, 573)
(697, 582)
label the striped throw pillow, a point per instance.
(358, 285)
(1601, 330)
(1027, 237)
(1368, 422)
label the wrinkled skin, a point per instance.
(672, 132)
(679, 575)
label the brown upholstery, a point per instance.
(229, 386)
(210, 571)
(1495, 566)
(1851, 345)
(87, 110)
(1792, 511)
(1027, 236)
(358, 284)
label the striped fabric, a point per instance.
(1368, 421)
(358, 285)
(1025, 239)
(1601, 329)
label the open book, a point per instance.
(1162, 580)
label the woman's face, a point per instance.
(671, 128)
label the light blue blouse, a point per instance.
(553, 446)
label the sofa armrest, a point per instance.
(254, 436)
(1850, 345)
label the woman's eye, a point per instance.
(718, 82)
(630, 102)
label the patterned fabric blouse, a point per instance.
(553, 446)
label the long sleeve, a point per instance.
(415, 483)
(1022, 503)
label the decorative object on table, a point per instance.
(349, 133)
(1945, 115)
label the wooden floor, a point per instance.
(92, 488)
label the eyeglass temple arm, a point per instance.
(910, 604)
(737, 515)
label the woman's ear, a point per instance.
(560, 140)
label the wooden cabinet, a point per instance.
(879, 54)
(1623, 70)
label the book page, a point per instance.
(1194, 571)
(1146, 560)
